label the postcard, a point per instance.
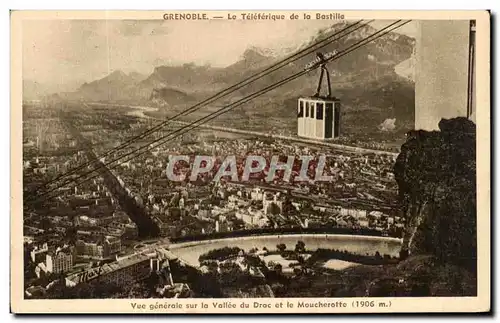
(250, 162)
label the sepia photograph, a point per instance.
(327, 158)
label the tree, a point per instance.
(212, 266)
(273, 209)
(304, 266)
(45, 223)
(288, 208)
(215, 200)
(174, 201)
(220, 254)
(174, 213)
(306, 207)
(300, 246)
(71, 235)
(138, 291)
(281, 247)
(253, 261)
(278, 268)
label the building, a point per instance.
(85, 249)
(87, 221)
(356, 213)
(364, 223)
(318, 118)
(111, 246)
(266, 203)
(105, 220)
(38, 254)
(123, 271)
(256, 194)
(222, 225)
(445, 79)
(252, 217)
(60, 261)
(130, 230)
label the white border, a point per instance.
(145, 4)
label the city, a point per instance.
(161, 185)
(98, 229)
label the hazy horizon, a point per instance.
(62, 54)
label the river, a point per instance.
(190, 251)
(139, 111)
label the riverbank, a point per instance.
(357, 244)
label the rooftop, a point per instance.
(109, 268)
(320, 98)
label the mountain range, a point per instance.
(376, 76)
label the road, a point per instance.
(145, 225)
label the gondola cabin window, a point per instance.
(301, 109)
(319, 111)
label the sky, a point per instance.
(66, 53)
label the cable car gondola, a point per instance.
(319, 116)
